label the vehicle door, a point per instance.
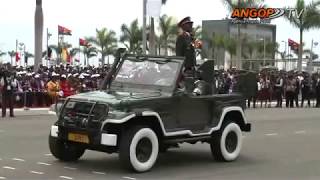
(194, 112)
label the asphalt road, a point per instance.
(284, 144)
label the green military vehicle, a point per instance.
(142, 110)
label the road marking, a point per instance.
(65, 177)
(272, 134)
(2, 177)
(48, 154)
(96, 172)
(71, 168)
(300, 132)
(8, 167)
(42, 163)
(36, 172)
(17, 159)
(125, 177)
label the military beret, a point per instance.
(184, 21)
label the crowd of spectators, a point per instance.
(272, 85)
(43, 88)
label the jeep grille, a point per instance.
(84, 115)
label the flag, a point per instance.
(17, 57)
(64, 31)
(293, 45)
(154, 8)
(83, 42)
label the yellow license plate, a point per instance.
(82, 138)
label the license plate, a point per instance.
(82, 138)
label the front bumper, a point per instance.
(95, 138)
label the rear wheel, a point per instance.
(65, 151)
(139, 148)
(226, 144)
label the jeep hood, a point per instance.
(116, 98)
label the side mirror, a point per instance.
(58, 107)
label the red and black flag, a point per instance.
(64, 31)
(293, 45)
(83, 42)
(17, 57)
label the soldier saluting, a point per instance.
(185, 44)
(185, 48)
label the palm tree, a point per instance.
(131, 36)
(73, 52)
(152, 38)
(232, 4)
(197, 31)
(105, 41)
(12, 54)
(27, 55)
(168, 31)
(309, 19)
(89, 52)
(56, 49)
(2, 53)
(248, 52)
(215, 43)
(231, 47)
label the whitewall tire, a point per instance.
(139, 148)
(226, 145)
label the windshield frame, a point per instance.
(134, 58)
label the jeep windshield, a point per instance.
(147, 72)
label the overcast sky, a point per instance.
(83, 17)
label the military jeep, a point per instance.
(143, 109)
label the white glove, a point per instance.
(60, 93)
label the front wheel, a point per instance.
(139, 148)
(226, 144)
(65, 151)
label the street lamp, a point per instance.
(22, 48)
(285, 54)
(264, 50)
(311, 54)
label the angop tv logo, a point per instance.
(263, 14)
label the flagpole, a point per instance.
(144, 32)
(47, 47)
(16, 52)
(79, 54)
(58, 53)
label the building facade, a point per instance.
(260, 52)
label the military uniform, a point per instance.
(317, 88)
(9, 86)
(185, 48)
(279, 91)
(305, 91)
